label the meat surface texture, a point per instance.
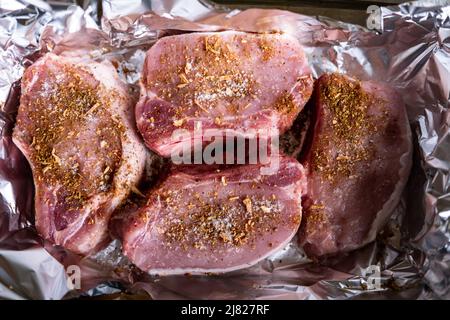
(358, 163)
(231, 81)
(199, 220)
(75, 126)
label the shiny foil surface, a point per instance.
(407, 256)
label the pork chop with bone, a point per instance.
(75, 126)
(200, 220)
(358, 162)
(231, 81)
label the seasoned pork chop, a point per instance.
(358, 163)
(231, 81)
(75, 126)
(201, 220)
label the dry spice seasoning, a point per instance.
(211, 78)
(346, 110)
(285, 103)
(208, 223)
(66, 103)
(266, 48)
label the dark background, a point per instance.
(353, 11)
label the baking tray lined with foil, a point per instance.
(410, 254)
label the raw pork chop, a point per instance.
(231, 81)
(200, 220)
(358, 163)
(75, 126)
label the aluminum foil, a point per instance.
(410, 257)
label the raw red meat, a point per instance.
(231, 81)
(75, 127)
(358, 163)
(201, 220)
